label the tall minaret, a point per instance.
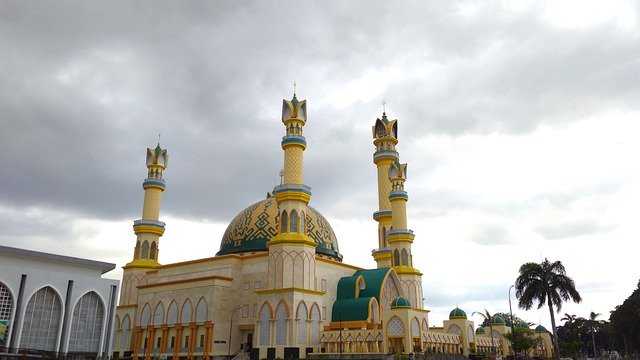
(148, 229)
(292, 197)
(385, 139)
(400, 237)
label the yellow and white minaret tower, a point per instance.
(148, 229)
(400, 237)
(385, 139)
(292, 196)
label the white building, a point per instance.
(54, 303)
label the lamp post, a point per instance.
(231, 326)
(513, 334)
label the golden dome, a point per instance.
(250, 230)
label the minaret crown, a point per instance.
(294, 110)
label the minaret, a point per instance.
(400, 237)
(292, 197)
(385, 139)
(148, 229)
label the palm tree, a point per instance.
(569, 318)
(545, 283)
(488, 318)
(592, 322)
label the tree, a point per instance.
(488, 318)
(592, 325)
(569, 319)
(545, 283)
(625, 323)
(522, 340)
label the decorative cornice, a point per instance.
(382, 215)
(182, 281)
(289, 289)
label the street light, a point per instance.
(231, 326)
(513, 334)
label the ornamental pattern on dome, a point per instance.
(254, 226)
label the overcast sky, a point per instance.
(518, 120)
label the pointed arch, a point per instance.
(293, 221)
(415, 327)
(374, 311)
(315, 323)
(125, 335)
(86, 324)
(201, 310)
(395, 327)
(302, 316)
(42, 320)
(396, 258)
(284, 219)
(405, 257)
(154, 248)
(186, 312)
(303, 227)
(145, 315)
(172, 313)
(144, 253)
(158, 314)
(265, 324)
(282, 313)
(425, 324)
(137, 250)
(389, 290)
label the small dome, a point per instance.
(498, 320)
(400, 302)
(522, 325)
(540, 329)
(480, 330)
(457, 313)
(251, 229)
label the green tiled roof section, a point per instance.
(400, 302)
(352, 309)
(347, 287)
(373, 279)
(540, 329)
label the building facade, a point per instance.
(277, 287)
(55, 304)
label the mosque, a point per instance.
(278, 287)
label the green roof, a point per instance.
(347, 306)
(498, 320)
(540, 329)
(457, 313)
(480, 330)
(400, 302)
(373, 279)
(522, 325)
(350, 309)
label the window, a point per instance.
(323, 285)
(202, 340)
(42, 320)
(86, 326)
(186, 341)
(145, 250)
(245, 310)
(281, 325)
(255, 310)
(247, 285)
(257, 284)
(173, 342)
(158, 341)
(153, 251)
(6, 304)
(293, 221)
(324, 313)
(283, 222)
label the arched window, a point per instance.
(265, 325)
(315, 323)
(137, 251)
(185, 314)
(153, 251)
(201, 311)
(145, 250)
(172, 313)
(6, 305)
(145, 316)
(125, 336)
(395, 327)
(283, 222)
(405, 257)
(281, 324)
(303, 228)
(86, 325)
(293, 221)
(396, 257)
(302, 317)
(42, 321)
(158, 315)
(415, 328)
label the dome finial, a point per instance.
(294, 89)
(159, 138)
(384, 108)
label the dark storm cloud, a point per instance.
(87, 86)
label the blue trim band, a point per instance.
(291, 187)
(154, 183)
(381, 213)
(295, 139)
(398, 195)
(400, 232)
(159, 224)
(382, 154)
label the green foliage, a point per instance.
(625, 324)
(522, 340)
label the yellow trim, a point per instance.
(351, 324)
(295, 121)
(292, 144)
(141, 264)
(127, 306)
(146, 229)
(382, 256)
(400, 238)
(422, 310)
(376, 141)
(295, 195)
(338, 263)
(406, 270)
(292, 239)
(149, 186)
(289, 289)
